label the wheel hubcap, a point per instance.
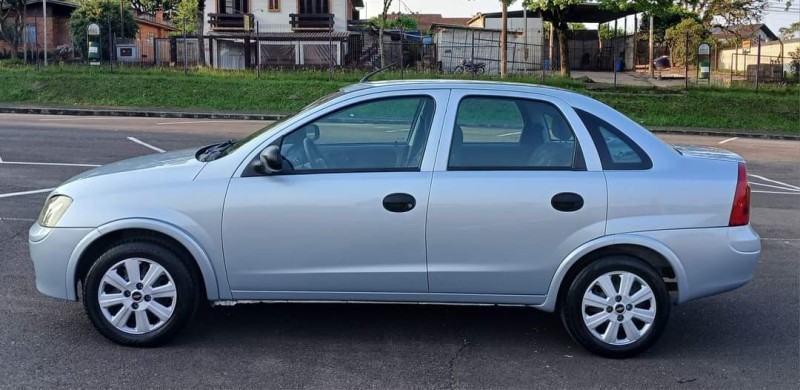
(137, 296)
(618, 308)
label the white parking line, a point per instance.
(728, 140)
(509, 134)
(190, 122)
(776, 192)
(145, 144)
(396, 131)
(18, 219)
(790, 187)
(47, 163)
(772, 186)
(1, 159)
(25, 193)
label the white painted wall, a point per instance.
(279, 21)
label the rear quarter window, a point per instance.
(616, 150)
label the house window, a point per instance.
(31, 34)
(233, 6)
(274, 6)
(313, 7)
(151, 37)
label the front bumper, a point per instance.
(51, 250)
(715, 260)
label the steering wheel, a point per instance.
(313, 154)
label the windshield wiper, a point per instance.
(212, 152)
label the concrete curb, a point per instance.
(138, 113)
(272, 117)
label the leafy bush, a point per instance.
(676, 40)
(105, 13)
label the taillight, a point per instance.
(740, 213)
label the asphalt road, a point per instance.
(748, 338)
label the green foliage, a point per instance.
(795, 65)
(606, 32)
(577, 26)
(662, 20)
(402, 22)
(106, 14)
(791, 31)
(676, 39)
(186, 11)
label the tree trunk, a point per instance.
(503, 43)
(563, 50)
(380, 48)
(201, 45)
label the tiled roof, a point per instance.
(425, 21)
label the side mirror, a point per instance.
(271, 160)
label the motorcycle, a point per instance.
(471, 67)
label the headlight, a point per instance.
(53, 210)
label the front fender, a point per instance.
(204, 263)
(549, 304)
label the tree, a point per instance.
(791, 31)
(557, 12)
(382, 24)
(504, 39)
(401, 22)
(606, 32)
(676, 40)
(12, 31)
(106, 14)
(577, 26)
(186, 14)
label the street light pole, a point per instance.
(44, 8)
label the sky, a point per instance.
(466, 8)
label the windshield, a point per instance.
(236, 145)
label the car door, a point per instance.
(517, 186)
(347, 213)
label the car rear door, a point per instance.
(516, 187)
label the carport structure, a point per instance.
(593, 53)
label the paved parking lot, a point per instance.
(748, 338)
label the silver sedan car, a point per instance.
(413, 192)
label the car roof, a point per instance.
(377, 86)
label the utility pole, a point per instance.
(650, 49)
(44, 10)
(503, 42)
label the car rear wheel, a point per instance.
(139, 293)
(616, 307)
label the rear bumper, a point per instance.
(51, 249)
(714, 260)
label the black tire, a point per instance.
(572, 310)
(186, 288)
(480, 71)
(458, 70)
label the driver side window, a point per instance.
(379, 135)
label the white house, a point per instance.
(288, 32)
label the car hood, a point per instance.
(179, 160)
(708, 153)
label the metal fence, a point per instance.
(175, 51)
(754, 68)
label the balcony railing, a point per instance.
(311, 21)
(231, 22)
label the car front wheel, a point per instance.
(616, 307)
(139, 293)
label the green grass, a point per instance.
(774, 108)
